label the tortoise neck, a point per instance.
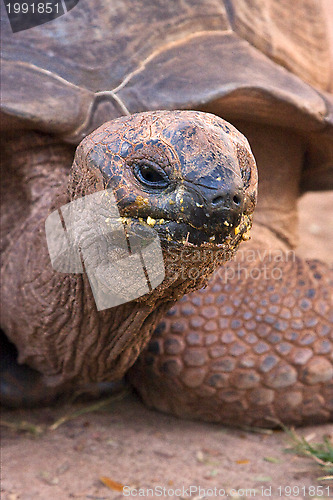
(34, 158)
(33, 167)
(279, 155)
(59, 308)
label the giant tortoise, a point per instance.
(256, 345)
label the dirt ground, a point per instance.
(126, 444)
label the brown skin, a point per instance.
(51, 317)
(254, 61)
(251, 351)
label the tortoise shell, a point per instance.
(261, 60)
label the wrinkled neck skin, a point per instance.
(51, 317)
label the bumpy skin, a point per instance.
(253, 347)
(256, 346)
(51, 317)
(255, 61)
(246, 351)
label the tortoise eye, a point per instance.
(149, 174)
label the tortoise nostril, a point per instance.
(217, 200)
(226, 200)
(236, 199)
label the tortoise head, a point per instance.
(189, 175)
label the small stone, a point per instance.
(48, 478)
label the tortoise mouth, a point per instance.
(175, 232)
(185, 233)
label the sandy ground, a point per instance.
(130, 445)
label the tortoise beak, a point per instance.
(212, 209)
